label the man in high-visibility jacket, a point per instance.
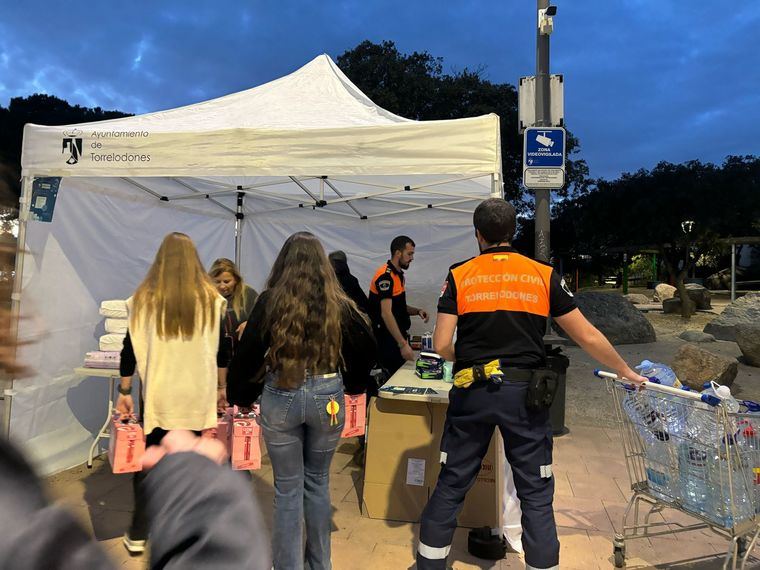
(499, 303)
(388, 309)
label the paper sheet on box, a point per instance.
(415, 472)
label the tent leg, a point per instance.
(23, 217)
(239, 216)
(495, 193)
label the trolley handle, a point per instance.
(656, 387)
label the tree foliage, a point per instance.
(653, 208)
(416, 87)
(42, 110)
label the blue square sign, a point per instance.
(544, 147)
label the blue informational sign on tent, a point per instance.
(544, 146)
(44, 194)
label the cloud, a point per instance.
(645, 80)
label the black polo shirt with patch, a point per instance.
(388, 283)
(502, 300)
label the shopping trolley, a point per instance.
(685, 451)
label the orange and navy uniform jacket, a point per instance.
(388, 283)
(502, 300)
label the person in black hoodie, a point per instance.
(348, 282)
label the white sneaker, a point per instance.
(133, 546)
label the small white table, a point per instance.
(405, 377)
(114, 376)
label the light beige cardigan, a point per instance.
(179, 377)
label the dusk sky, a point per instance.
(646, 80)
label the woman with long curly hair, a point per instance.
(176, 342)
(306, 327)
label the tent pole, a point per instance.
(239, 216)
(494, 191)
(23, 217)
(334, 189)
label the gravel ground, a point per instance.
(588, 401)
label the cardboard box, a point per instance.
(246, 442)
(403, 463)
(126, 445)
(356, 415)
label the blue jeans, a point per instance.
(301, 443)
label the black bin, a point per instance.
(558, 362)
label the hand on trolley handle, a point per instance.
(649, 385)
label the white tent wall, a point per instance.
(419, 178)
(99, 245)
(442, 238)
(104, 234)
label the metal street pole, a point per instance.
(543, 119)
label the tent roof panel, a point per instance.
(312, 122)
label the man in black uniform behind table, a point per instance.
(499, 303)
(388, 309)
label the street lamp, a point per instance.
(687, 226)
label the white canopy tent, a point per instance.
(238, 174)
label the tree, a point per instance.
(42, 110)
(681, 209)
(415, 86)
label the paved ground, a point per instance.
(591, 494)
(591, 489)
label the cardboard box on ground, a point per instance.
(403, 463)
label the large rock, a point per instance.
(617, 318)
(663, 291)
(698, 294)
(694, 366)
(745, 310)
(671, 306)
(638, 299)
(696, 336)
(748, 339)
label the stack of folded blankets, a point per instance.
(111, 343)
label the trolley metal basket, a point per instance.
(685, 451)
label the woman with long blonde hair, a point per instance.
(240, 296)
(176, 342)
(305, 325)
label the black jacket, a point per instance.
(203, 517)
(350, 285)
(246, 373)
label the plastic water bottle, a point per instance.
(748, 442)
(637, 405)
(742, 476)
(658, 370)
(704, 472)
(697, 456)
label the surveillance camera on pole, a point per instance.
(546, 20)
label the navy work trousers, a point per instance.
(473, 414)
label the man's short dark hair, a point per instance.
(399, 243)
(495, 220)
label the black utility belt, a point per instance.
(542, 382)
